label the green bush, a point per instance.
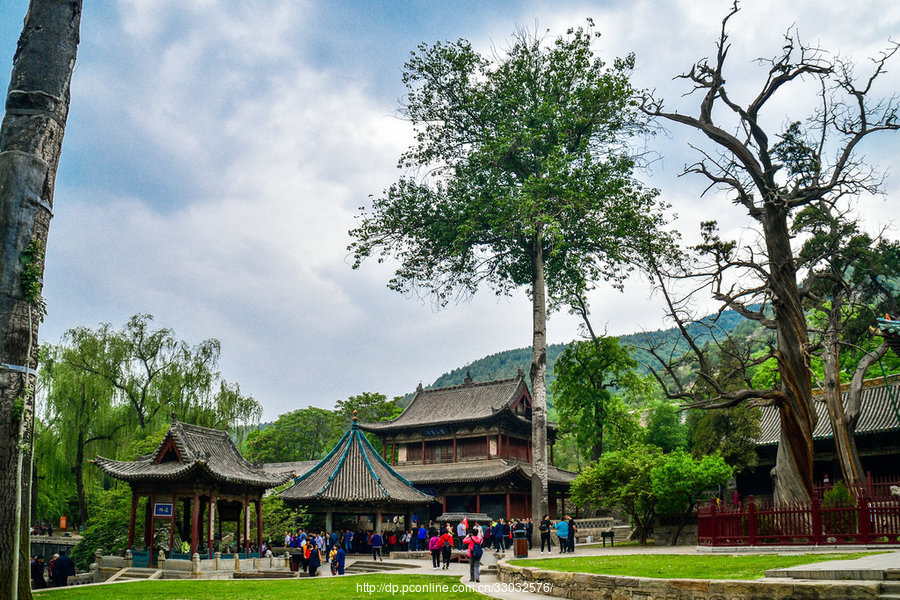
(834, 520)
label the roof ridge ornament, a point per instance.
(521, 374)
(419, 387)
(468, 380)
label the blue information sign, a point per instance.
(163, 509)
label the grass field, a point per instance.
(682, 566)
(325, 588)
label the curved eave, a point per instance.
(123, 471)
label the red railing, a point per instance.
(861, 521)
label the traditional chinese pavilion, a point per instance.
(202, 469)
(470, 446)
(354, 479)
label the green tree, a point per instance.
(303, 434)
(856, 281)
(155, 374)
(665, 429)
(80, 413)
(773, 173)
(622, 480)
(594, 380)
(680, 480)
(370, 407)
(520, 177)
(730, 432)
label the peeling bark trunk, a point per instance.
(793, 471)
(37, 106)
(843, 422)
(539, 490)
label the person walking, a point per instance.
(473, 542)
(63, 569)
(434, 545)
(377, 542)
(572, 531)
(562, 532)
(422, 538)
(529, 531)
(37, 573)
(460, 534)
(447, 547)
(348, 541)
(314, 561)
(544, 528)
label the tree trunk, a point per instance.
(841, 426)
(31, 137)
(793, 471)
(539, 489)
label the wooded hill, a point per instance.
(506, 364)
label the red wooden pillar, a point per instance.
(131, 518)
(148, 523)
(454, 451)
(195, 522)
(507, 506)
(172, 526)
(246, 526)
(551, 455)
(499, 445)
(393, 454)
(487, 444)
(478, 503)
(259, 526)
(212, 523)
(445, 504)
(423, 452)
(383, 450)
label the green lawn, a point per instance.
(682, 566)
(328, 588)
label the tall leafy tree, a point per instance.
(774, 174)
(520, 176)
(31, 136)
(155, 373)
(303, 434)
(857, 282)
(594, 380)
(80, 413)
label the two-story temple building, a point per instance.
(470, 446)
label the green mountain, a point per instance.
(506, 364)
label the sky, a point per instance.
(217, 153)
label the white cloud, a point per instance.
(217, 154)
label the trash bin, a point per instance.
(520, 544)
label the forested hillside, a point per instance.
(507, 363)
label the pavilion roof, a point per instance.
(353, 472)
(469, 402)
(477, 472)
(890, 331)
(878, 413)
(192, 452)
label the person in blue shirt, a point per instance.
(423, 538)
(339, 559)
(562, 532)
(348, 541)
(377, 542)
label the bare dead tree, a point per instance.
(37, 106)
(772, 177)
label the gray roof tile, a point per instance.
(203, 452)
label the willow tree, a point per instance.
(773, 172)
(520, 176)
(37, 105)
